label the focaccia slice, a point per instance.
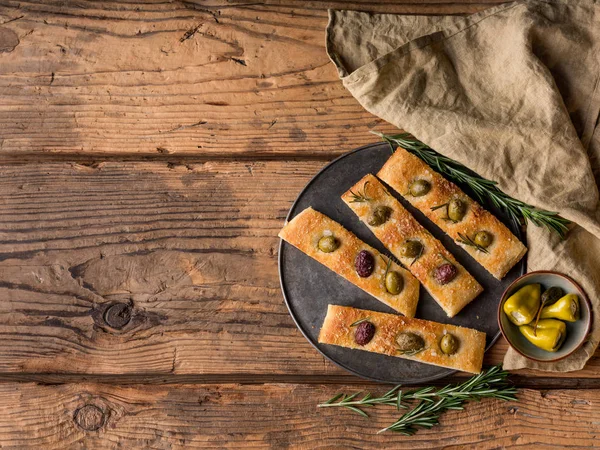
(505, 249)
(401, 226)
(306, 229)
(339, 329)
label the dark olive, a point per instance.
(409, 342)
(418, 188)
(328, 244)
(449, 344)
(483, 239)
(551, 295)
(364, 333)
(456, 210)
(411, 249)
(380, 216)
(394, 283)
(364, 263)
(445, 273)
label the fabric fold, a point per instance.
(512, 92)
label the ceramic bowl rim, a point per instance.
(582, 296)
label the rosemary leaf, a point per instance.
(388, 264)
(464, 239)
(360, 197)
(418, 256)
(392, 391)
(410, 352)
(364, 319)
(334, 398)
(443, 205)
(359, 411)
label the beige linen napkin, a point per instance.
(513, 93)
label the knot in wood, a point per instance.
(8, 40)
(118, 315)
(89, 418)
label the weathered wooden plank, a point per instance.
(191, 249)
(178, 78)
(533, 380)
(275, 416)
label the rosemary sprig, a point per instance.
(410, 352)
(491, 383)
(360, 197)
(464, 239)
(424, 415)
(483, 188)
(443, 205)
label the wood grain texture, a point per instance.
(196, 124)
(82, 416)
(178, 78)
(191, 248)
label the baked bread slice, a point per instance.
(339, 329)
(306, 229)
(399, 229)
(503, 249)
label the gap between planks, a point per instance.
(91, 159)
(520, 381)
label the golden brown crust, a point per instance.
(402, 226)
(336, 330)
(505, 250)
(304, 232)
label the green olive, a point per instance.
(411, 249)
(418, 188)
(394, 283)
(449, 344)
(483, 239)
(409, 342)
(328, 244)
(456, 210)
(552, 295)
(380, 216)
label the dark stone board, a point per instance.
(308, 287)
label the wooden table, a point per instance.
(150, 153)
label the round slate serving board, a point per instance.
(308, 287)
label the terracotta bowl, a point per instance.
(576, 331)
